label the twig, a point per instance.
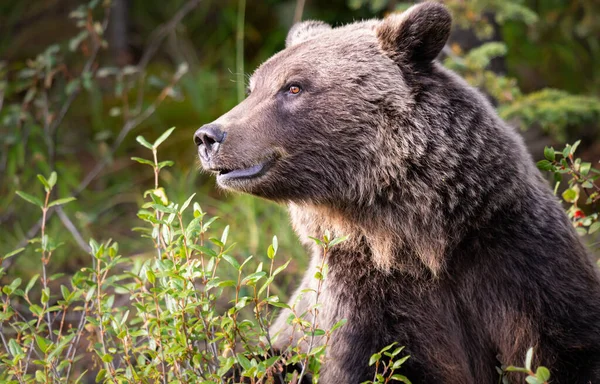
(156, 39)
(73, 345)
(71, 227)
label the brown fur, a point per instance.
(457, 247)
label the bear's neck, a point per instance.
(390, 244)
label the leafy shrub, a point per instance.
(581, 178)
(168, 318)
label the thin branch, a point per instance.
(71, 227)
(156, 39)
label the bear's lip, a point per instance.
(230, 174)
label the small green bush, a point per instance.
(189, 314)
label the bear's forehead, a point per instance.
(346, 43)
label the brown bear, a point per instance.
(457, 247)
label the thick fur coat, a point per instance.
(457, 247)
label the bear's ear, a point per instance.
(306, 30)
(416, 35)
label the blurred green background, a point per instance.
(515, 51)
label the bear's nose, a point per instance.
(210, 136)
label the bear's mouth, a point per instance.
(226, 175)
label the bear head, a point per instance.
(327, 120)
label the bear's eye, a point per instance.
(294, 89)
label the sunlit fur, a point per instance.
(457, 248)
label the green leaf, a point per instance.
(224, 235)
(74, 42)
(101, 375)
(388, 347)
(15, 283)
(529, 358)
(61, 201)
(281, 268)
(549, 153)
(279, 304)
(72, 86)
(65, 291)
(162, 208)
(166, 163)
(570, 195)
(163, 137)
(545, 165)
(44, 182)
(574, 146)
(594, 227)
(401, 378)
(317, 351)
(42, 343)
(243, 361)
(271, 252)
(584, 168)
(31, 282)
(186, 204)
(338, 240)
(225, 366)
(516, 369)
(532, 380)
(144, 142)
(542, 374)
(231, 260)
(317, 241)
(14, 348)
(398, 363)
(45, 295)
(581, 231)
(13, 253)
(557, 178)
(253, 278)
(52, 179)
(29, 198)
(151, 276)
(339, 324)
(374, 358)
(397, 351)
(143, 161)
(36, 310)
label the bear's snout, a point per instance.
(208, 139)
